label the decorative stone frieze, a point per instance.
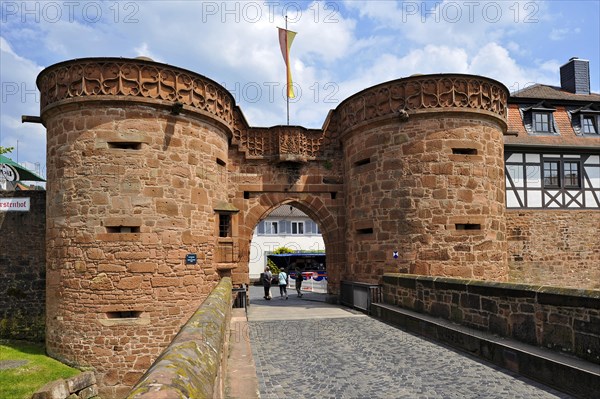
(423, 93)
(133, 78)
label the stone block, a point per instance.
(558, 337)
(440, 310)
(498, 325)
(129, 283)
(522, 328)
(80, 381)
(89, 392)
(489, 305)
(153, 192)
(100, 198)
(101, 282)
(165, 282)
(556, 318)
(52, 390)
(167, 207)
(470, 301)
(142, 267)
(131, 377)
(587, 347)
(589, 327)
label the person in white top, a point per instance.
(283, 282)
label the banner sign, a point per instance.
(15, 204)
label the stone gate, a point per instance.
(148, 162)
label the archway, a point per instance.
(326, 216)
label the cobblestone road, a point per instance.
(342, 354)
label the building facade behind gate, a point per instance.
(149, 163)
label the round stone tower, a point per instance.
(137, 155)
(424, 178)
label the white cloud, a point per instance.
(494, 61)
(465, 24)
(563, 33)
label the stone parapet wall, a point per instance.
(566, 320)
(193, 365)
(23, 268)
(554, 247)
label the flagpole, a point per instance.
(287, 92)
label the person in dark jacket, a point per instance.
(299, 279)
(266, 280)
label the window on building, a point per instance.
(297, 227)
(542, 122)
(271, 227)
(588, 124)
(571, 175)
(551, 174)
(566, 174)
(224, 225)
(539, 118)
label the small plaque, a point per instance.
(395, 254)
(191, 259)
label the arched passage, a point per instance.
(327, 216)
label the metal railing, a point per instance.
(360, 295)
(240, 298)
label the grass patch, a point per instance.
(21, 382)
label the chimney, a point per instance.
(575, 76)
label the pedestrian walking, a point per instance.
(299, 279)
(266, 280)
(283, 282)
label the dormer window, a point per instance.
(541, 122)
(586, 120)
(539, 118)
(588, 124)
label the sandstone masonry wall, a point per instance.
(23, 268)
(562, 319)
(130, 194)
(412, 186)
(554, 247)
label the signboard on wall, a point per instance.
(15, 204)
(191, 259)
(8, 173)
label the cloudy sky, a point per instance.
(341, 47)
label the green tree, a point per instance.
(5, 150)
(280, 250)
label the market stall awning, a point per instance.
(12, 171)
(287, 260)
